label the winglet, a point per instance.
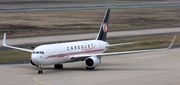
(172, 42)
(4, 40)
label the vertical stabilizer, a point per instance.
(104, 27)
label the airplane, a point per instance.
(89, 51)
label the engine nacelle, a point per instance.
(92, 62)
(32, 63)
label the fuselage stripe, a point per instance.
(71, 54)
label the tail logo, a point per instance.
(105, 27)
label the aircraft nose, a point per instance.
(36, 59)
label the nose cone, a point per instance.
(36, 59)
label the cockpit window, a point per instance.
(38, 52)
(41, 52)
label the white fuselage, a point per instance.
(58, 53)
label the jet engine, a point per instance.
(92, 62)
(32, 63)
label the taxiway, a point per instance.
(150, 68)
(168, 4)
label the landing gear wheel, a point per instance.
(90, 68)
(58, 66)
(40, 71)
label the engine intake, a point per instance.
(32, 63)
(92, 62)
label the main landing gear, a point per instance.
(58, 66)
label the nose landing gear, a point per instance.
(40, 71)
(56, 66)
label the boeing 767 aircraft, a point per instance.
(89, 51)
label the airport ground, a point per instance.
(151, 68)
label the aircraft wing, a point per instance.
(124, 52)
(5, 45)
(121, 44)
(80, 57)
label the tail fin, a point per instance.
(104, 27)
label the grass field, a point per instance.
(76, 21)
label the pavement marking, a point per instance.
(171, 56)
(174, 56)
(35, 79)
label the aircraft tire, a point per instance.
(58, 66)
(90, 68)
(40, 72)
